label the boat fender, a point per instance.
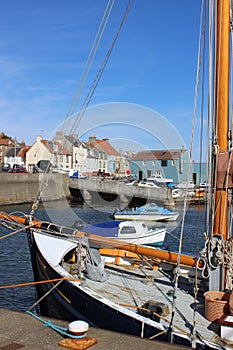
(153, 309)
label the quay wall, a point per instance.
(125, 192)
(23, 188)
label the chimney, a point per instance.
(92, 139)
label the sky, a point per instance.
(145, 97)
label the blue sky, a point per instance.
(43, 49)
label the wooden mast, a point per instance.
(222, 105)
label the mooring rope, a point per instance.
(59, 329)
(39, 282)
(17, 231)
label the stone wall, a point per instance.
(23, 188)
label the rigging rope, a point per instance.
(177, 272)
(39, 282)
(88, 63)
(83, 80)
(100, 72)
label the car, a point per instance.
(36, 169)
(133, 183)
(6, 167)
(18, 170)
(160, 179)
(100, 173)
(148, 184)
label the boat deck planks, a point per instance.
(116, 290)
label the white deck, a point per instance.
(129, 291)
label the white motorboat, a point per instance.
(148, 212)
(129, 231)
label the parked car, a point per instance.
(160, 178)
(36, 169)
(148, 184)
(18, 170)
(133, 183)
(100, 173)
(6, 167)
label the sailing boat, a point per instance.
(146, 292)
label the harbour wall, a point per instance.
(87, 188)
(23, 188)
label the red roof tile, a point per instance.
(107, 148)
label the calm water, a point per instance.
(15, 263)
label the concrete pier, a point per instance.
(116, 188)
(22, 188)
(22, 331)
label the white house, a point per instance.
(84, 159)
(16, 156)
(44, 152)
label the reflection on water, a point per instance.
(15, 263)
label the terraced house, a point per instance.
(167, 163)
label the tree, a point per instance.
(4, 136)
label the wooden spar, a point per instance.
(222, 106)
(163, 255)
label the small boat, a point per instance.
(128, 231)
(148, 212)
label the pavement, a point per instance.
(19, 330)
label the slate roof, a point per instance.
(17, 151)
(158, 154)
(58, 149)
(13, 151)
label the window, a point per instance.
(144, 163)
(163, 162)
(128, 229)
(154, 162)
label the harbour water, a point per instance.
(15, 260)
